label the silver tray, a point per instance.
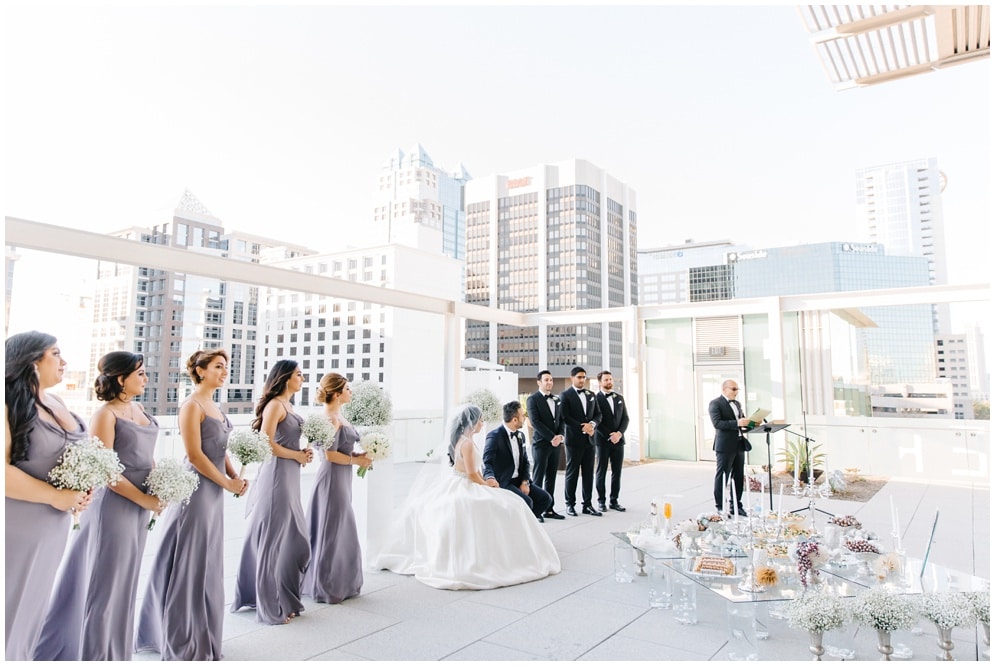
(689, 569)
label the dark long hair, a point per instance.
(113, 366)
(22, 388)
(276, 383)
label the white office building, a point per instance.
(664, 271)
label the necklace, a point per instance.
(129, 416)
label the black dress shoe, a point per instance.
(571, 511)
(601, 507)
(616, 506)
(590, 510)
(742, 511)
(552, 514)
(540, 519)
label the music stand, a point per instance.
(768, 428)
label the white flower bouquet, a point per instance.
(319, 431)
(490, 406)
(981, 602)
(947, 609)
(85, 465)
(816, 611)
(376, 446)
(249, 446)
(879, 609)
(171, 482)
(370, 406)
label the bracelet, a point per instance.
(350, 458)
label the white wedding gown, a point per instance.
(454, 534)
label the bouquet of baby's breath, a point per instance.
(487, 401)
(879, 609)
(981, 603)
(370, 406)
(86, 464)
(249, 446)
(947, 609)
(318, 430)
(376, 446)
(815, 611)
(171, 482)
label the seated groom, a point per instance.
(506, 465)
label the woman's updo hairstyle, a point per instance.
(114, 368)
(330, 386)
(201, 359)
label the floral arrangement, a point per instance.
(490, 406)
(766, 576)
(947, 609)
(318, 430)
(370, 406)
(171, 482)
(756, 485)
(690, 527)
(248, 446)
(887, 564)
(809, 557)
(845, 521)
(981, 602)
(376, 445)
(879, 609)
(86, 464)
(817, 612)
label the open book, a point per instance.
(757, 417)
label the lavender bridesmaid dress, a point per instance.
(276, 551)
(182, 614)
(336, 570)
(92, 614)
(34, 540)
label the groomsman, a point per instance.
(581, 417)
(546, 417)
(609, 439)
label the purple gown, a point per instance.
(92, 614)
(276, 551)
(182, 614)
(34, 540)
(336, 570)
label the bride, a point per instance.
(456, 533)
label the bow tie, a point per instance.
(609, 394)
(547, 395)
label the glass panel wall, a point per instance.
(669, 390)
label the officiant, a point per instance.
(730, 446)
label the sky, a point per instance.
(279, 118)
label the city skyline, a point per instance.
(256, 111)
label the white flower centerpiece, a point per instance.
(371, 411)
(885, 612)
(86, 464)
(946, 610)
(172, 483)
(816, 613)
(981, 602)
(248, 446)
(490, 406)
(318, 431)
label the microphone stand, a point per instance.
(810, 491)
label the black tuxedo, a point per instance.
(546, 424)
(730, 446)
(499, 464)
(580, 447)
(614, 418)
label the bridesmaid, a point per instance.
(36, 520)
(336, 570)
(182, 614)
(276, 551)
(92, 613)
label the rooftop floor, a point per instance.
(583, 613)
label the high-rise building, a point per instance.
(664, 272)
(550, 238)
(422, 204)
(953, 362)
(900, 206)
(890, 345)
(167, 316)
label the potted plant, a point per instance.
(793, 456)
(816, 613)
(884, 612)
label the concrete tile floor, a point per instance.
(582, 613)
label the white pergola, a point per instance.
(861, 45)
